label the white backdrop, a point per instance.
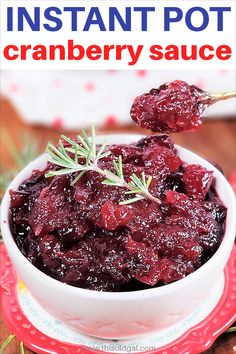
(179, 34)
(77, 98)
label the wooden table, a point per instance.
(214, 141)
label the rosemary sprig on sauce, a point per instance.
(69, 159)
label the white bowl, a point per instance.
(122, 314)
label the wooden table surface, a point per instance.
(216, 141)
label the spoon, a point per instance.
(173, 107)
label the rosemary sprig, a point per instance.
(69, 159)
(6, 343)
(139, 187)
(22, 350)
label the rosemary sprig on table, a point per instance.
(7, 342)
(86, 149)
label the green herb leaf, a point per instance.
(231, 329)
(149, 180)
(67, 158)
(136, 181)
(109, 182)
(101, 150)
(77, 178)
(132, 200)
(6, 343)
(22, 351)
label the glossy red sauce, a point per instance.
(172, 107)
(81, 235)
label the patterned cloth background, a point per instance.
(72, 99)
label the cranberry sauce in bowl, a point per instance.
(84, 235)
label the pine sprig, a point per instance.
(70, 160)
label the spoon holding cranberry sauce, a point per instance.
(173, 107)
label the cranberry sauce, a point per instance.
(172, 107)
(81, 235)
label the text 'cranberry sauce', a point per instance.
(81, 235)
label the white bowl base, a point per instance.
(55, 329)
